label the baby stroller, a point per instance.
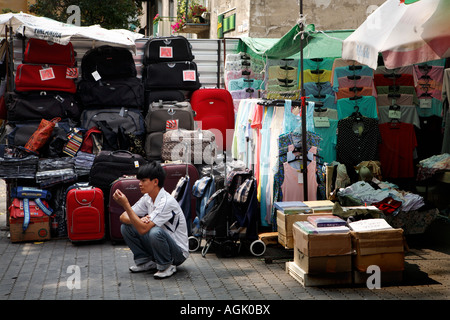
(231, 217)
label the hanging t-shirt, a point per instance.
(391, 80)
(400, 99)
(397, 149)
(357, 141)
(408, 114)
(243, 83)
(345, 72)
(315, 76)
(351, 92)
(328, 100)
(317, 88)
(367, 107)
(313, 64)
(327, 148)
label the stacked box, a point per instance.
(321, 259)
(381, 248)
(38, 229)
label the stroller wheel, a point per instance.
(257, 248)
(194, 243)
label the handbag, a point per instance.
(41, 135)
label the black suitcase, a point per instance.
(111, 165)
(41, 105)
(127, 92)
(179, 75)
(109, 62)
(167, 49)
(164, 95)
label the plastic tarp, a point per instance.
(51, 30)
(317, 44)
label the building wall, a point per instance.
(273, 18)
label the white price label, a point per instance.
(321, 122)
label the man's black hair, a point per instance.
(152, 170)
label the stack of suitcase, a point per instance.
(44, 89)
(112, 96)
(170, 76)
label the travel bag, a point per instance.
(42, 105)
(39, 51)
(198, 144)
(164, 115)
(129, 185)
(214, 110)
(85, 214)
(128, 92)
(108, 62)
(131, 120)
(164, 95)
(178, 75)
(111, 165)
(167, 49)
(37, 77)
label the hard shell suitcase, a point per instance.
(214, 110)
(127, 92)
(108, 62)
(39, 51)
(174, 172)
(42, 105)
(129, 185)
(167, 49)
(85, 214)
(178, 75)
(36, 77)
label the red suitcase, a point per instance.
(35, 77)
(42, 52)
(129, 185)
(214, 108)
(85, 214)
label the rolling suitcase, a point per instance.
(35, 77)
(129, 185)
(39, 51)
(85, 214)
(175, 172)
(214, 110)
(167, 49)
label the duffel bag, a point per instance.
(198, 144)
(179, 75)
(42, 105)
(108, 62)
(167, 49)
(36, 77)
(131, 120)
(127, 92)
(164, 95)
(110, 165)
(42, 52)
(164, 115)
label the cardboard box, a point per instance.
(315, 280)
(380, 241)
(38, 230)
(383, 248)
(320, 245)
(326, 264)
(284, 227)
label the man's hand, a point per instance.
(121, 199)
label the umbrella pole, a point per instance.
(303, 118)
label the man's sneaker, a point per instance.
(143, 267)
(165, 273)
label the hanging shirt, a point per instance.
(325, 63)
(367, 107)
(401, 100)
(293, 185)
(354, 146)
(429, 107)
(328, 101)
(408, 115)
(396, 149)
(391, 80)
(243, 83)
(345, 72)
(283, 72)
(316, 88)
(316, 76)
(327, 147)
(349, 92)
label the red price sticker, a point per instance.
(72, 73)
(189, 75)
(166, 52)
(47, 74)
(172, 124)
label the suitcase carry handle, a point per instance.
(81, 202)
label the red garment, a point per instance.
(388, 205)
(387, 80)
(396, 149)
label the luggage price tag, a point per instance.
(136, 164)
(165, 52)
(72, 73)
(47, 74)
(172, 124)
(96, 75)
(321, 122)
(425, 103)
(189, 75)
